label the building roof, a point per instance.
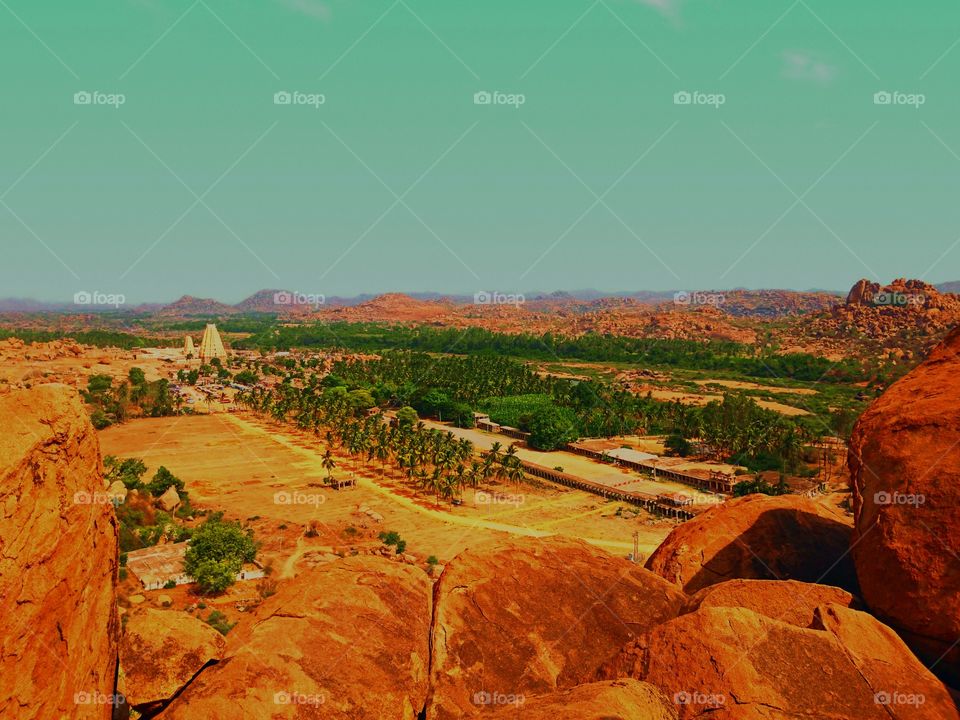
(630, 455)
(157, 563)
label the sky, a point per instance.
(214, 148)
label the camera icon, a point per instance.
(282, 498)
(82, 498)
(882, 498)
(482, 298)
(882, 698)
(82, 98)
(282, 98)
(281, 698)
(282, 298)
(681, 298)
(682, 98)
(682, 698)
(482, 98)
(882, 98)
(82, 298)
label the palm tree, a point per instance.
(328, 463)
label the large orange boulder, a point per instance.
(342, 641)
(759, 537)
(787, 600)
(732, 663)
(58, 561)
(626, 699)
(905, 474)
(527, 617)
(161, 651)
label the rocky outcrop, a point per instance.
(625, 699)
(346, 640)
(169, 500)
(905, 474)
(161, 651)
(58, 561)
(527, 617)
(733, 663)
(758, 537)
(785, 600)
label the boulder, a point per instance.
(626, 699)
(169, 500)
(733, 663)
(161, 650)
(529, 616)
(759, 537)
(58, 561)
(342, 641)
(905, 475)
(786, 600)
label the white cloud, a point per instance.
(310, 8)
(805, 66)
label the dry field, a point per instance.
(270, 475)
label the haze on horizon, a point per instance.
(657, 146)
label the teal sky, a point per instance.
(798, 180)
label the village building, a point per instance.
(155, 567)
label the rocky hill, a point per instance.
(58, 561)
(730, 620)
(189, 306)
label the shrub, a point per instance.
(218, 621)
(169, 584)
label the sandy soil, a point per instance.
(271, 476)
(738, 384)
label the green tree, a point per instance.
(217, 552)
(162, 480)
(552, 428)
(407, 416)
(136, 376)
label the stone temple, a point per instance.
(188, 348)
(211, 346)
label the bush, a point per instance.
(218, 621)
(551, 428)
(169, 584)
(163, 480)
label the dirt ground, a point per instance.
(271, 476)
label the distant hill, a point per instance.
(189, 306)
(949, 287)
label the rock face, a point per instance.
(528, 617)
(785, 600)
(734, 663)
(58, 561)
(161, 650)
(610, 700)
(758, 537)
(346, 640)
(905, 474)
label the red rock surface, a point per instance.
(758, 537)
(732, 663)
(787, 600)
(347, 640)
(161, 650)
(625, 699)
(526, 617)
(905, 474)
(58, 561)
